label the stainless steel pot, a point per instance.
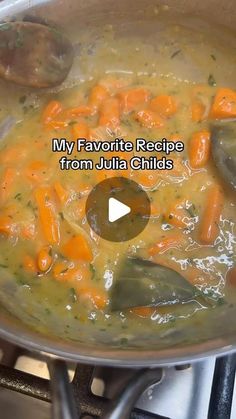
(212, 339)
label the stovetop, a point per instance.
(181, 392)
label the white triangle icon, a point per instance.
(117, 210)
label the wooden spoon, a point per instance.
(35, 55)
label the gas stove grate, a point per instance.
(111, 404)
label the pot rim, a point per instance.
(76, 352)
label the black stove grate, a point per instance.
(129, 384)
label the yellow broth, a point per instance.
(73, 293)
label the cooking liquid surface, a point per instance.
(70, 297)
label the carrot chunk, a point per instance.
(224, 104)
(7, 226)
(61, 192)
(144, 312)
(54, 124)
(64, 271)
(52, 109)
(80, 130)
(199, 149)
(6, 184)
(77, 248)
(176, 214)
(110, 113)
(147, 178)
(198, 110)
(173, 241)
(164, 105)
(231, 276)
(29, 264)
(97, 96)
(36, 170)
(97, 296)
(149, 119)
(47, 215)
(82, 110)
(132, 98)
(44, 259)
(209, 225)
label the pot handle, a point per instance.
(63, 401)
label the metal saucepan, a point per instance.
(140, 17)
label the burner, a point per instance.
(181, 392)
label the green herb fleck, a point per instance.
(92, 270)
(213, 57)
(18, 196)
(22, 99)
(211, 80)
(73, 295)
(47, 311)
(19, 40)
(123, 341)
(62, 216)
(175, 53)
(192, 211)
(3, 266)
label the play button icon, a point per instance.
(118, 209)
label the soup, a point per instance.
(59, 272)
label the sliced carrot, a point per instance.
(11, 154)
(28, 232)
(53, 109)
(164, 105)
(199, 149)
(101, 175)
(97, 96)
(56, 125)
(144, 312)
(82, 110)
(44, 259)
(80, 130)
(176, 214)
(110, 113)
(29, 264)
(211, 215)
(36, 171)
(64, 271)
(169, 242)
(61, 192)
(155, 210)
(231, 276)
(133, 98)
(198, 110)
(47, 215)
(77, 248)
(97, 296)
(147, 178)
(224, 104)
(149, 119)
(176, 137)
(7, 226)
(6, 184)
(112, 83)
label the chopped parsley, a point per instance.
(211, 80)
